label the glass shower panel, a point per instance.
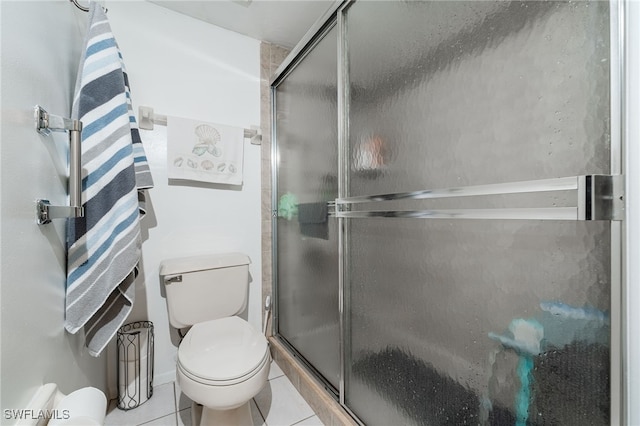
(477, 321)
(307, 240)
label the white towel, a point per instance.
(103, 247)
(205, 152)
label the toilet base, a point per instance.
(203, 416)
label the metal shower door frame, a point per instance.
(315, 34)
(337, 15)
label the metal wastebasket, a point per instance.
(135, 364)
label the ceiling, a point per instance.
(280, 22)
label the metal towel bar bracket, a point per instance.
(600, 197)
(45, 124)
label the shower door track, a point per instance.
(333, 392)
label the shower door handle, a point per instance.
(600, 197)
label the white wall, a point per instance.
(40, 53)
(183, 67)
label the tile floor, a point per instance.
(278, 404)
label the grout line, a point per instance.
(264, 419)
(176, 410)
(158, 418)
(276, 377)
(279, 377)
(178, 415)
(176, 398)
(175, 419)
(300, 421)
(281, 371)
(175, 403)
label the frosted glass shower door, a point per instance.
(489, 321)
(307, 180)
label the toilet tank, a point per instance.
(203, 288)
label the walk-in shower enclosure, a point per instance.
(446, 210)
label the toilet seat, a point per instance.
(222, 352)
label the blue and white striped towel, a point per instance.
(104, 246)
(143, 173)
(144, 180)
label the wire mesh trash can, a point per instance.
(135, 364)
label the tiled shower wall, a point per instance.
(271, 56)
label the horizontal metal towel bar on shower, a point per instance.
(600, 197)
(147, 119)
(45, 124)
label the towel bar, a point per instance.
(599, 197)
(147, 119)
(45, 124)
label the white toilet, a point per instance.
(223, 361)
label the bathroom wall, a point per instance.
(40, 53)
(184, 67)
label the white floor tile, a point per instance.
(278, 404)
(159, 405)
(281, 404)
(311, 421)
(168, 420)
(275, 371)
(184, 416)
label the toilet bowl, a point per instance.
(222, 364)
(222, 361)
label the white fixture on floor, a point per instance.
(223, 361)
(49, 406)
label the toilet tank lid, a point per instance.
(184, 265)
